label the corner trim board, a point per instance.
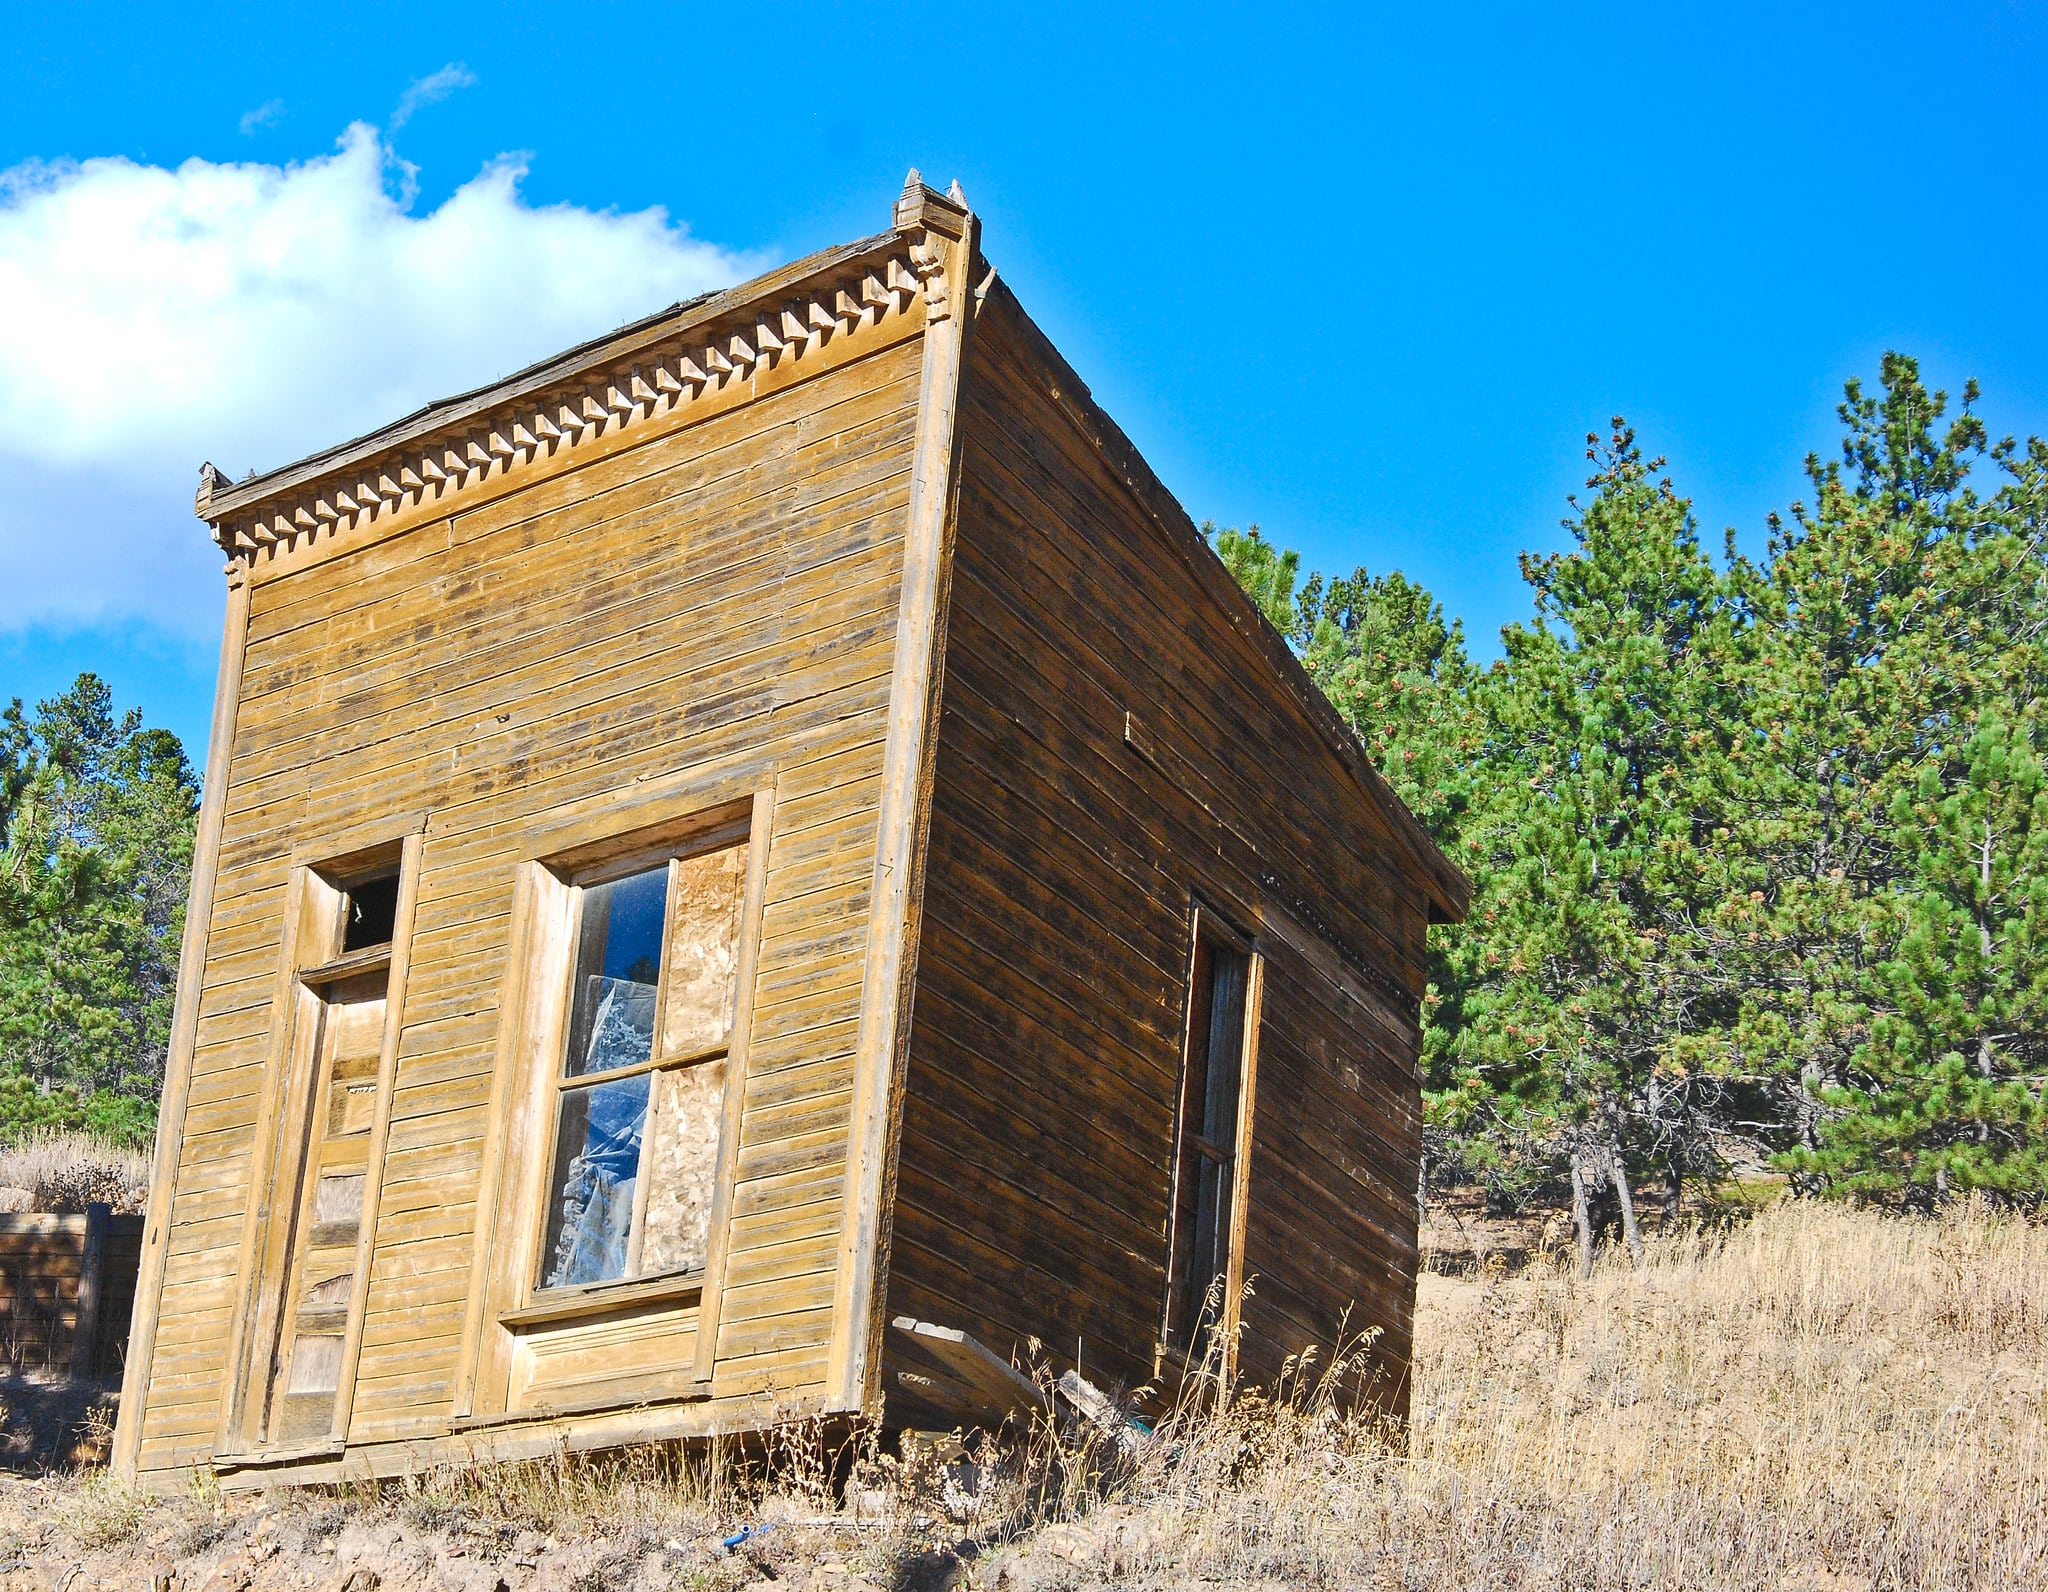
(227, 701)
(917, 674)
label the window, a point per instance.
(1207, 1149)
(639, 1091)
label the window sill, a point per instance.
(371, 959)
(568, 1304)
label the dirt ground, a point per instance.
(67, 1535)
(1460, 1235)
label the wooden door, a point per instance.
(324, 1256)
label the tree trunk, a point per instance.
(1582, 1221)
(1674, 1190)
(1617, 1170)
(1810, 1080)
(1985, 945)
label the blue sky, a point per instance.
(1363, 275)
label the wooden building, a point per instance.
(768, 828)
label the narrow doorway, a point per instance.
(305, 1299)
(1205, 1251)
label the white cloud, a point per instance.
(251, 314)
(268, 114)
(430, 90)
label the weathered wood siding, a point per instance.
(722, 595)
(1064, 863)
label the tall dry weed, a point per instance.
(66, 1171)
(1819, 1399)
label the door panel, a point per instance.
(321, 1280)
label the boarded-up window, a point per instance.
(640, 1092)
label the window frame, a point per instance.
(542, 1300)
(506, 1317)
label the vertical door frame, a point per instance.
(1205, 921)
(294, 1038)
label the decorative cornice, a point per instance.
(627, 380)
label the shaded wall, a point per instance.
(1114, 746)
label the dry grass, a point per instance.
(1817, 1400)
(68, 1171)
(1820, 1398)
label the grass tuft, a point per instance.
(1818, 1396)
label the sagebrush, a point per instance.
(67, 1171)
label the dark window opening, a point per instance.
(369, 913)
(1205, 1163)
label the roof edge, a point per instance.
(1449, 891)
(219, 498)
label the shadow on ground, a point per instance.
(53, 1423)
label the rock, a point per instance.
(1067, 1542)
(231, 1575)
(934, 1570)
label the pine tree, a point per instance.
(1946, 1094)
(1860, 674)
(1582, 980)
(1267, 573)
(1760, 853)
(98, 821)
(1949, 1089)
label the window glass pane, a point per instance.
(618, 964)
(1226, 1049)
(1206, 1173)
(597, 1168)
(682, 1166)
